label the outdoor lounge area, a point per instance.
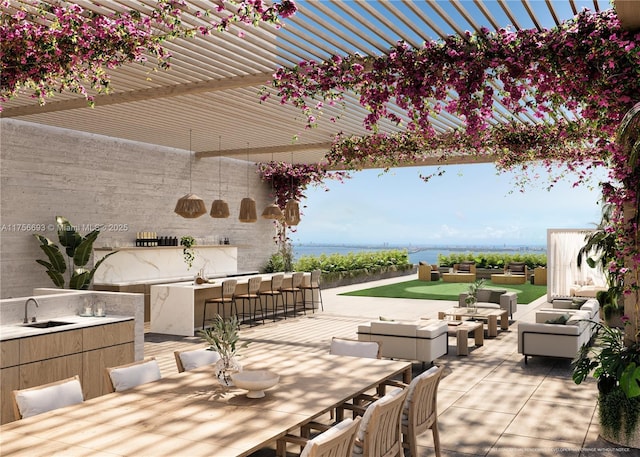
(155, 157)
(489, 403)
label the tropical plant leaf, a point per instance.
(630, 379)
(57, 278)
(80, 279)
(67, 235)
(83, 250)
(56, 259)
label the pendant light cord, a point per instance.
(219, 167)
(190, 161)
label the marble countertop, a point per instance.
(20, 330)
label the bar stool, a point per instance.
(274, 292)
(252, 297)
(314, 284)
(227, 295)
(296, 281)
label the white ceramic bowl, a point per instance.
(255, 381)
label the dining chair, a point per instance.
(336, 441)
(194, 358)
(355, 348)
(252, 297)
(127, 376)
(420, 410)
(47, 397)
(296, 282)
(274, 292)
(379, 433)
(227, 297)
(314, 284)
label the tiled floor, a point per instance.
(489, 403)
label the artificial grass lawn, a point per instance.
(439, 290)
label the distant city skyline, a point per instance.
(470, 205)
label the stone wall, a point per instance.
(127, 186)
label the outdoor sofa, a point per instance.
(493, 298)
(424, 341)
(559, 331)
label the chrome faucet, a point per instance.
(26, 319)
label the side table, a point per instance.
(462, 331)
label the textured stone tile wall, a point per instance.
(125, 186)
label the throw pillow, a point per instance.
(561, 320)
(495, 296)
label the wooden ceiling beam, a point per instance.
(176, 90)
(629, 13)
(264, 150)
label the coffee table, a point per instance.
(461, 330)
(508, 279)
(458, 277)
(486, 314)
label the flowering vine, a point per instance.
(588, 68)
(290, 180)
(48, 47)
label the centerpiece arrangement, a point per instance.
(471, 300)
(223, 337)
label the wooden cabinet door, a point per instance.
(107, 335)
(54, 369)
(9, 353)
(51, 345)
(10, 381)
(94, 364)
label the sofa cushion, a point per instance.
(393, 328)
(577, 317)
(517, 267)
(560, 320)
(494, 296)
(484, 295)
(464, 268)
(433, 329)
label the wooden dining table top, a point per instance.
(191, 414)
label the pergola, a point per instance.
(213, 83)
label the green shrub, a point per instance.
(492, 259)
(367, 261)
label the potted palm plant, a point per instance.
(616, 366)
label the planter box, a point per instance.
(481, 273)
(338, 279)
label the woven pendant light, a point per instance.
(190, 206)
(219, 208)
(248, 212)
(272, 211)
(292, 213)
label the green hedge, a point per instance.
(360, 261)
(493, 259)
(353, 261)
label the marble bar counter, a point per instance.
(177, 308)
(138, 265)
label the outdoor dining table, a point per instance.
(191, 414)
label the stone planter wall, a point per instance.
(330, 280)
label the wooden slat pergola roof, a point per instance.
(213, 83)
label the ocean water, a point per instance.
(417, 254)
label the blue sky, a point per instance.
(470, 205)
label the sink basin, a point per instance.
(47, 324)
